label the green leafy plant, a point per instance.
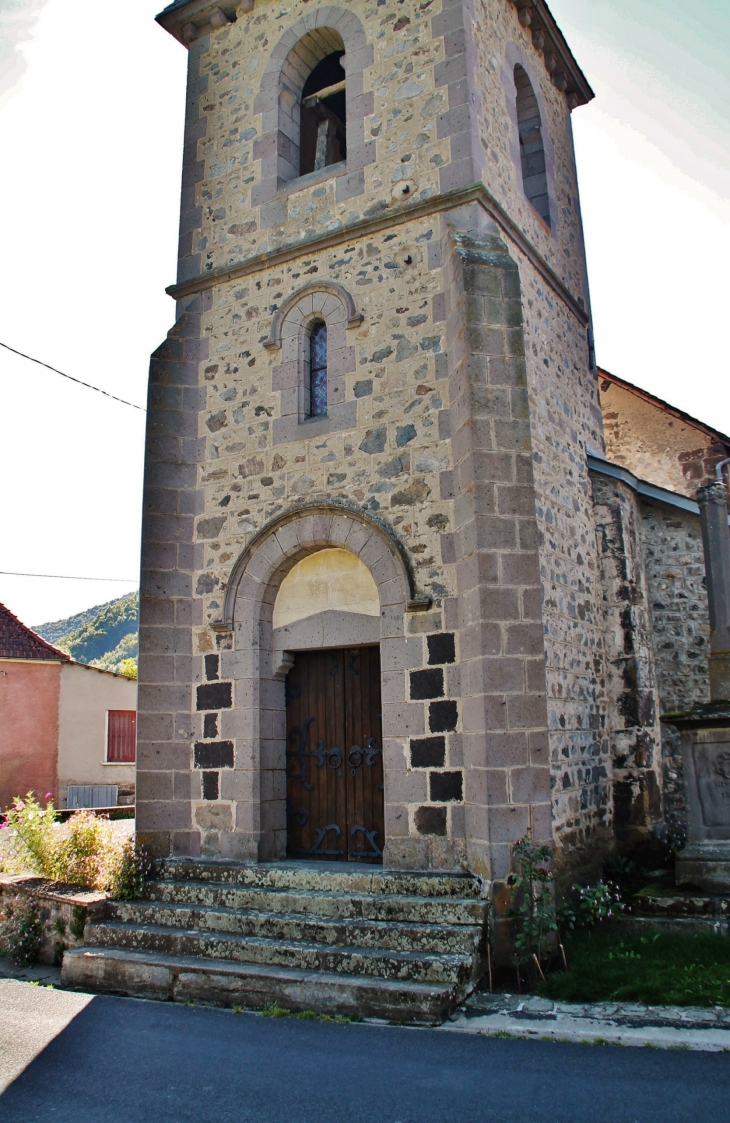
(84, 851)
(31, 837)
(532, 907)
(21, 930)
(589, 905)
(130, 868)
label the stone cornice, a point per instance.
(558, 58)
(188, 19)
(394, 215)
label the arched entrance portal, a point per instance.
(334, 752)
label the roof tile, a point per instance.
(19, 642)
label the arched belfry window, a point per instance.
(323, 121)
(318, 370)
(532, 147)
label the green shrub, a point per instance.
(129, 869)
(21, 930)
(31, 839)
(533, 906)
(84, 851)
(587, 906)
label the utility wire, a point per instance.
(65, 577)
(80, 383)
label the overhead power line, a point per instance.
(65, 577)
(78, 381)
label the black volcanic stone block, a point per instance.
(431, 820)
(427, 684)
(447, 787)
(442, 717)
(210, 785)
(441, 648)
(215, 696)
(214, 754)
(428, 752)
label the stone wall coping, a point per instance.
(49, 890)
(391, 215)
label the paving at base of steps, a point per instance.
(706, 1029)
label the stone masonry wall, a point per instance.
(472, 403)
(631, 680)
(675, 570)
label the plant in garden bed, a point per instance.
(533, 903)
(21, 930)
(84, 851)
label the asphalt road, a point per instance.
(113, 1060)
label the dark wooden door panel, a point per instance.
(334, 756)
(363, 737)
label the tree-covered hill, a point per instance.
(103, 636)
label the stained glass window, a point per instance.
(318, 371)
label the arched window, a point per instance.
(318, 370)
(323, 120)
(532, 149)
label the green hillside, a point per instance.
(102, 636)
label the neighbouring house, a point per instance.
(65, 728)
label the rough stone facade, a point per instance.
(518, 679)
(675, 573)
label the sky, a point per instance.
(91, 116)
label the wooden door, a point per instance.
(334, 755)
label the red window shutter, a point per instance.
(122, 737)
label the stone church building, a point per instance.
(395, 609)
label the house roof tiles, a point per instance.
(20, 642)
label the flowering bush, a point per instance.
(591, 904)
(84, 851)
(21, 930)
(31, 840)
(129, 869)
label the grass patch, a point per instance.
(304, 1015)
(659, 969)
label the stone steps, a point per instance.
(328, 937)
(338, 877)
(250, 986)
(449, 910)
(457, 939)
(421, 967)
